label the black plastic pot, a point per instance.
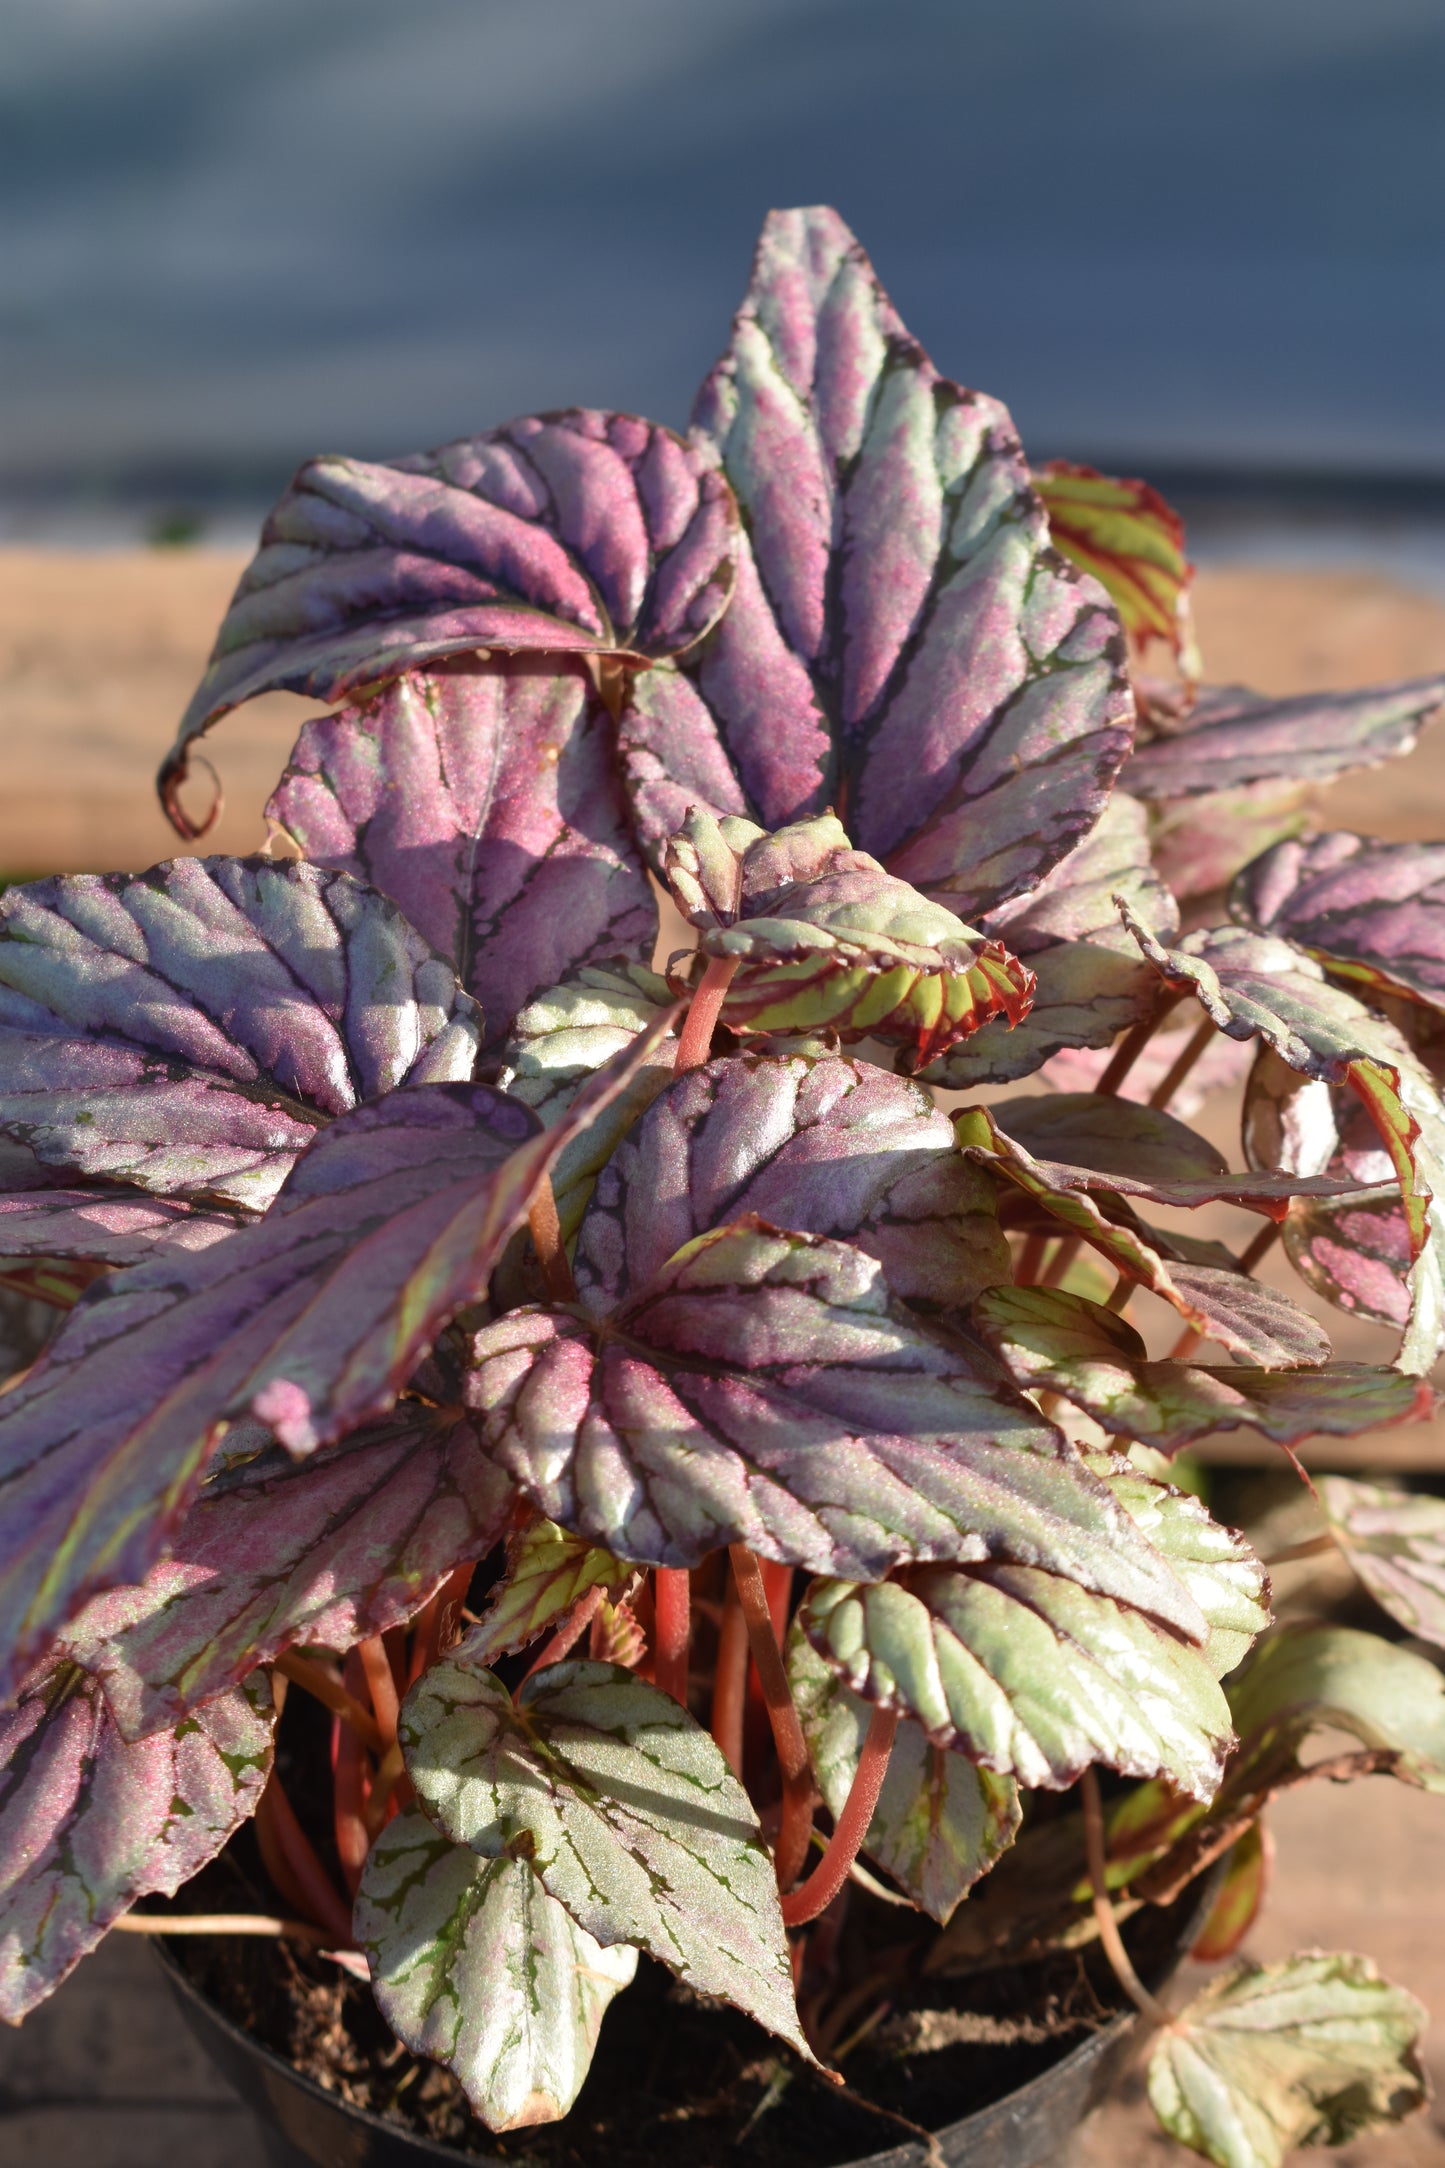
(306, 2124)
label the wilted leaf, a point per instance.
(547, 1572)
(940, 1822)
(483, 800)
(1241, 1895)
(902, 643)
(1308, 2052)
(1253, 1321)
(826, 1147)
(88, 1823)
(189, 1029)
(1395, 1540)
(1132, 542)
(574, 532)
(325, 1553)
(1027, 1673)
(1368, 911)
(311, 1321)
(1061, 1343)
(475, 1965)
(765, 1388)
(1232, 737)
(671, 1859)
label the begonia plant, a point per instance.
(646, 1386)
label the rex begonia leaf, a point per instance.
(766, 1388)
(111, 1225)
(1256, 985)
(312, 1321)
(324, 1552)
(1060, 1343)
(1368, 911)
(1355, 1251)
(575, 532)
(1253, 1321)
(1088, 983)
(189, 1029)
(1215, 1563)
(1232, 737)
(1125, 534)
(548, 1571)
(1113, 1137)
(622, 1806)
(902, 642)
(1303, 1680)
(940, 1822)
(822, 938)
(830, 1147)
(1026, 1673)
(483, 800)
(1269, 2057)
(1395, 1540)
(89, 1823)
(1200, 843)
(473, 1964)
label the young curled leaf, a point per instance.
(1370, 912)
(670, 1860)
(548, 1571)
(1132, 542)
(191, 1028)
(473, 1964)
(1026, 1673)
(1395, 1540)
(766, 1388)
(1061, 1343)
(821, 937)
(89, 1822)
(1270, 2057)
(940, 1822)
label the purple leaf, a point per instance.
(88, 1823)
(902, 643)
(766, 1389)
(1368, 911)
(835, 1148)
(1355, 1251)
(110, 1226)
(311, 1321)
(1395, 1540)
(1200, 843)
(1060, 1343)
(1232, 737)
(483, 800)
(570, 533)
(325, 1552)
(189, 1029)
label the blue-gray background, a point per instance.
(1187, 234)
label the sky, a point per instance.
(1183, 232)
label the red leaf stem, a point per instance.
(831, 1872)
(435, 1627)
(1183, 1062)
(546, 1231)
(672, 1603)
(1132, 1045)
(381, 1686)
(796, 1831)
(730, 1679)
(695, 1042)
(348, 1802)
(311, 1889)
(315, 1680)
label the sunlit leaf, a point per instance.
(476, 1966)
(1132, 542)
(1395, 1540)
(1232, 737)
(1370, 912)
(548, 1571)
(902, 644)
(1113, 1137)
(189, 1029)
(1215, 1563)
(483, 800)
(1026, 1673)
(940, 1822)
(106, 1223)
(1200, 843)
(623, 1807)
(1269, 2057)
(1304, 1680)
(88, 1823)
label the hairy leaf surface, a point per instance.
(1270, 2057)
(1395, 1540)
(624, 1808)
(902, 642)
(475, 1965)
(940, 1822)
(483, 800)
(189, 1029)
(1232, 737)
(89, 1823)
(1370, 912)
(1215, 1563)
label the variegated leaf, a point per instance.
(1200, 843)
(1395, 1540)
(1370, 912)
(1215, 1563)
(1355, 1251)
(89, 1823)
(548, 1571)
(1232, 737)
(902, 643)
(623, 1807)
(483, 800)
(473, 1964)
(1132, 542)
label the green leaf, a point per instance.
(475, 1965)
(1132, 541)
(1060, 1343)
(1026, 1673)
(1395, 1540)
(1270, 2057)
(625, 1809)
(1304, 1679)
(940, 1822)
(548, 1571)
(1215, 1563)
